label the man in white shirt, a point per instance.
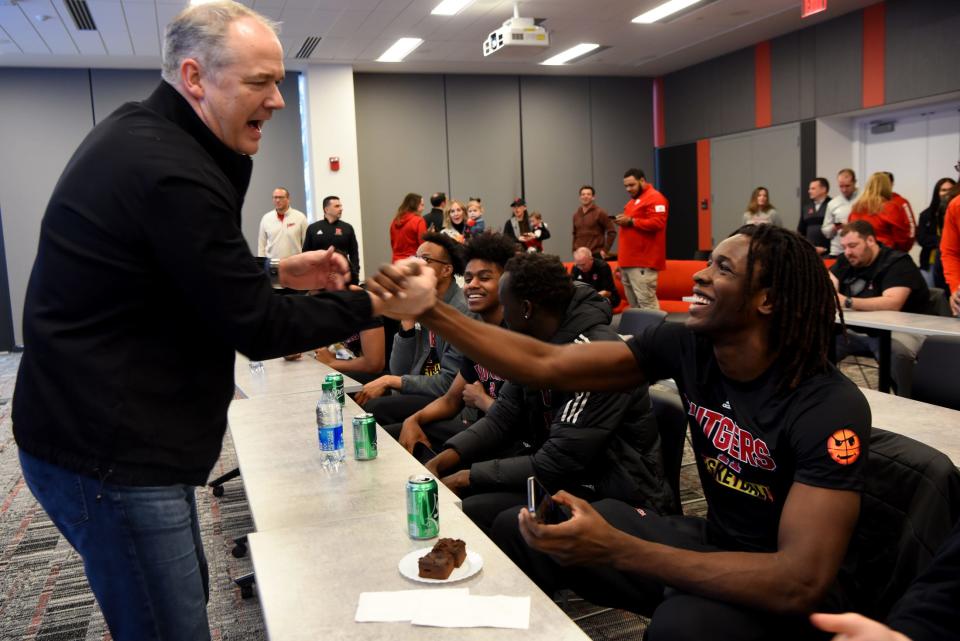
(838, 210)
(282, 229)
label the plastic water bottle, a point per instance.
(256, 367)
(330, 426)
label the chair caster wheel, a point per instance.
(239, 551)
(218, 490)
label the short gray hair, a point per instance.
(199, 32)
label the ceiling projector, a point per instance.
(516, 35)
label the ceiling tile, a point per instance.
(142, 23)
(112, 25)
(19, 29)
(50, 26)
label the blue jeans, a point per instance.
(141, 550)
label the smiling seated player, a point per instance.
(474, 386)
(778, 433)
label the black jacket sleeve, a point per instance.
(579, 434)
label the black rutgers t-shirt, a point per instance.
(749, 443)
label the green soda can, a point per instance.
(423, 509)
(338, 379)
(364, 437)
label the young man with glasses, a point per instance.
(422, 364)
(871, 277)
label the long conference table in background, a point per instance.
(888, 322)
(322, 537)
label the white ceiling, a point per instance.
(355, 32)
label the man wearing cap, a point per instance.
(518, 227)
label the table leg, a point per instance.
(884, 361)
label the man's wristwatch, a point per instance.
(272, 267)
(848, 302)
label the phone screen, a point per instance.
(422, 453)
(541, 504)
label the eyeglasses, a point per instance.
(428, 260)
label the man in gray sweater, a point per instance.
(422, 364)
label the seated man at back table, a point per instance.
(422, 364)
(361, 356)
(593, 270)
(871, 277)
(594, 445)
(475, 386)
(778, 433)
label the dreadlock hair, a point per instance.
(453, 248)
(804, 300)
(541, 279)
(490, 246)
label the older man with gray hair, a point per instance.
(142, 290)
(593, 270)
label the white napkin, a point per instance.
(402, 604)
(468, 611)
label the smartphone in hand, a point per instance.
(541, 504)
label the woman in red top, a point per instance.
(890, 222)
(408, 227)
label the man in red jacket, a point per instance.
(643, 240)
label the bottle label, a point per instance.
(331, 437)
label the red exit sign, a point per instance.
(811, 7)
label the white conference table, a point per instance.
(278, 451)
(887, 322)
(324, 537)
(931, 424)
(280, 376)
(310, 580)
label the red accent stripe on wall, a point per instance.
(763, 94)
(659, 128)
(704, 216)
(874, 54)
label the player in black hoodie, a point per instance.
(591, 444)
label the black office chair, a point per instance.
(910, 502)
(672, 425)
(634, 321)
(939, 304)
(937, 371)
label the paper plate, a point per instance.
(409, 568)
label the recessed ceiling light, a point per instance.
(400, 49)
(564, 57)
(451, 7)
(664, 10)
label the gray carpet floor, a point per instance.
(44, 594)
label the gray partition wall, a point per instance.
(621, 113)
(46, 113)
(466, 135)
(739, 163)
(56, 108)
(483, 125)
(402, 146)
(557, 152)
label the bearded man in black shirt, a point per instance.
(871, 277)
(779, 436)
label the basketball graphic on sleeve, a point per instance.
(844, 446)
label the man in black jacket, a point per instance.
(331, 231)
(142, 290)
(593, 445)
(811, 218)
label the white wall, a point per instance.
(923, 148)
(835, 148)
(330, 129)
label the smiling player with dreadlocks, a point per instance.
(779, 437)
